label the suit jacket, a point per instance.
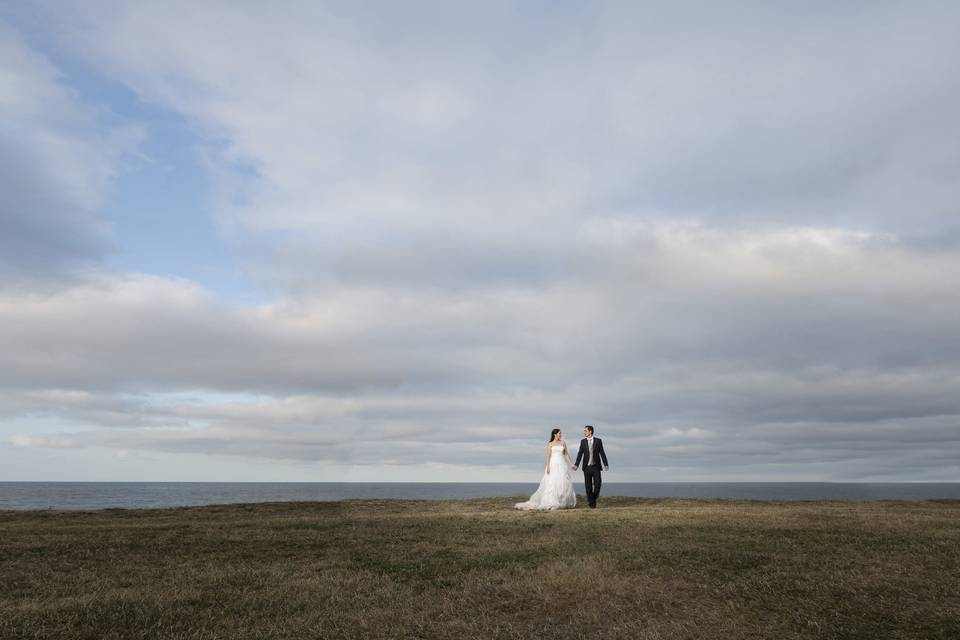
(598, 453)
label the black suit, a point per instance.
(591, 472)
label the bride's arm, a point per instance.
(548, 459)
(567, 453)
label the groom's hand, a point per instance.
(606, 468)
(574, 467)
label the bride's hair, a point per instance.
(553, 434)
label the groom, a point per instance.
(591, 450)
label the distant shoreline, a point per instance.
(66, 496)
(506, 501)
(135, 495)
(423, 482)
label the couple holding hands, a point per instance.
(556, 486)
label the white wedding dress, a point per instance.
(556, 488)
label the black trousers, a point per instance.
(592, 482)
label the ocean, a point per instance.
(141, 495)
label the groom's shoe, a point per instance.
(593, 505)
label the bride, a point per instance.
(556, 486)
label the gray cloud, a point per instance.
(399, 165)
(762, 352)
(724, 234)
(837, 116)
(783, 301)
(56, 163)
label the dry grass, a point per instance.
(635, 568)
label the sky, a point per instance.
(306, 241)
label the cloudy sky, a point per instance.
(402, 241)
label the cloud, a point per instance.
(724, 235)
(704, 347)
(444, 118)
(658, 294)
(56, 164)
(47, 443)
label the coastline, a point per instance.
(609, 502)
(94, 495)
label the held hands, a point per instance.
(574, 467)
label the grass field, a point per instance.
(634, 568)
